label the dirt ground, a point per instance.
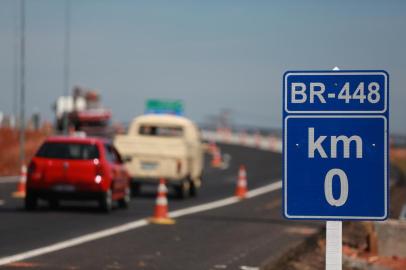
(310, 255)
(9, 145)
(398, 158)
(358, 253)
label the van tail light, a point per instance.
(179, 166)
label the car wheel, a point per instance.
(106, 202)
(183, 189)
(125, 201)
(53, 204)
(30, 202)
(135, 189)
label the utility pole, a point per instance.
(15, 89)
(66, 61)
(22, 84)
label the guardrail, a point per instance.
(264, 142)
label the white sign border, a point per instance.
(285, 176)
(337, 73)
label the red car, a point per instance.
(74, 168)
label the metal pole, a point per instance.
(22, 85)
(66, 61)
(334, 241)
(334, 245)
(15, 88)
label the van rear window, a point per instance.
(161, 131)
(68, 151)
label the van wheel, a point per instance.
(30, 202)
(106, 201)
(193, 189)
(125, 201)
(183, 190)
(135, 189)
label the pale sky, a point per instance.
(211, 54)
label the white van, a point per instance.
(163, 146)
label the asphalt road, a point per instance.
(237, 236)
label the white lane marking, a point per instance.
(265, 189)
(220, 266)
(133, 225)
(9, 179)
(226, 201)
(203, 207)
(73, 242)
(244, 267)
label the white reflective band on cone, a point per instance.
(23, 176)
(242, 183)
(162, 188)
(161, 201)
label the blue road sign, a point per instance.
(335, 145)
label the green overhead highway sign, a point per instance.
(164, 106)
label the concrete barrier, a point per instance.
(270, 143)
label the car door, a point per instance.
(122, 174)
(115, 167)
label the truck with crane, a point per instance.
(84, 112)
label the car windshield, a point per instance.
(162, 131)
(68, 151)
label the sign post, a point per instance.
(334, 240)
(335, 150)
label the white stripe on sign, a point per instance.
(133, 225)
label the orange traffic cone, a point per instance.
(216, 160)
(241, 190)
(212, 147)
(161, 206)
(20, 192)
